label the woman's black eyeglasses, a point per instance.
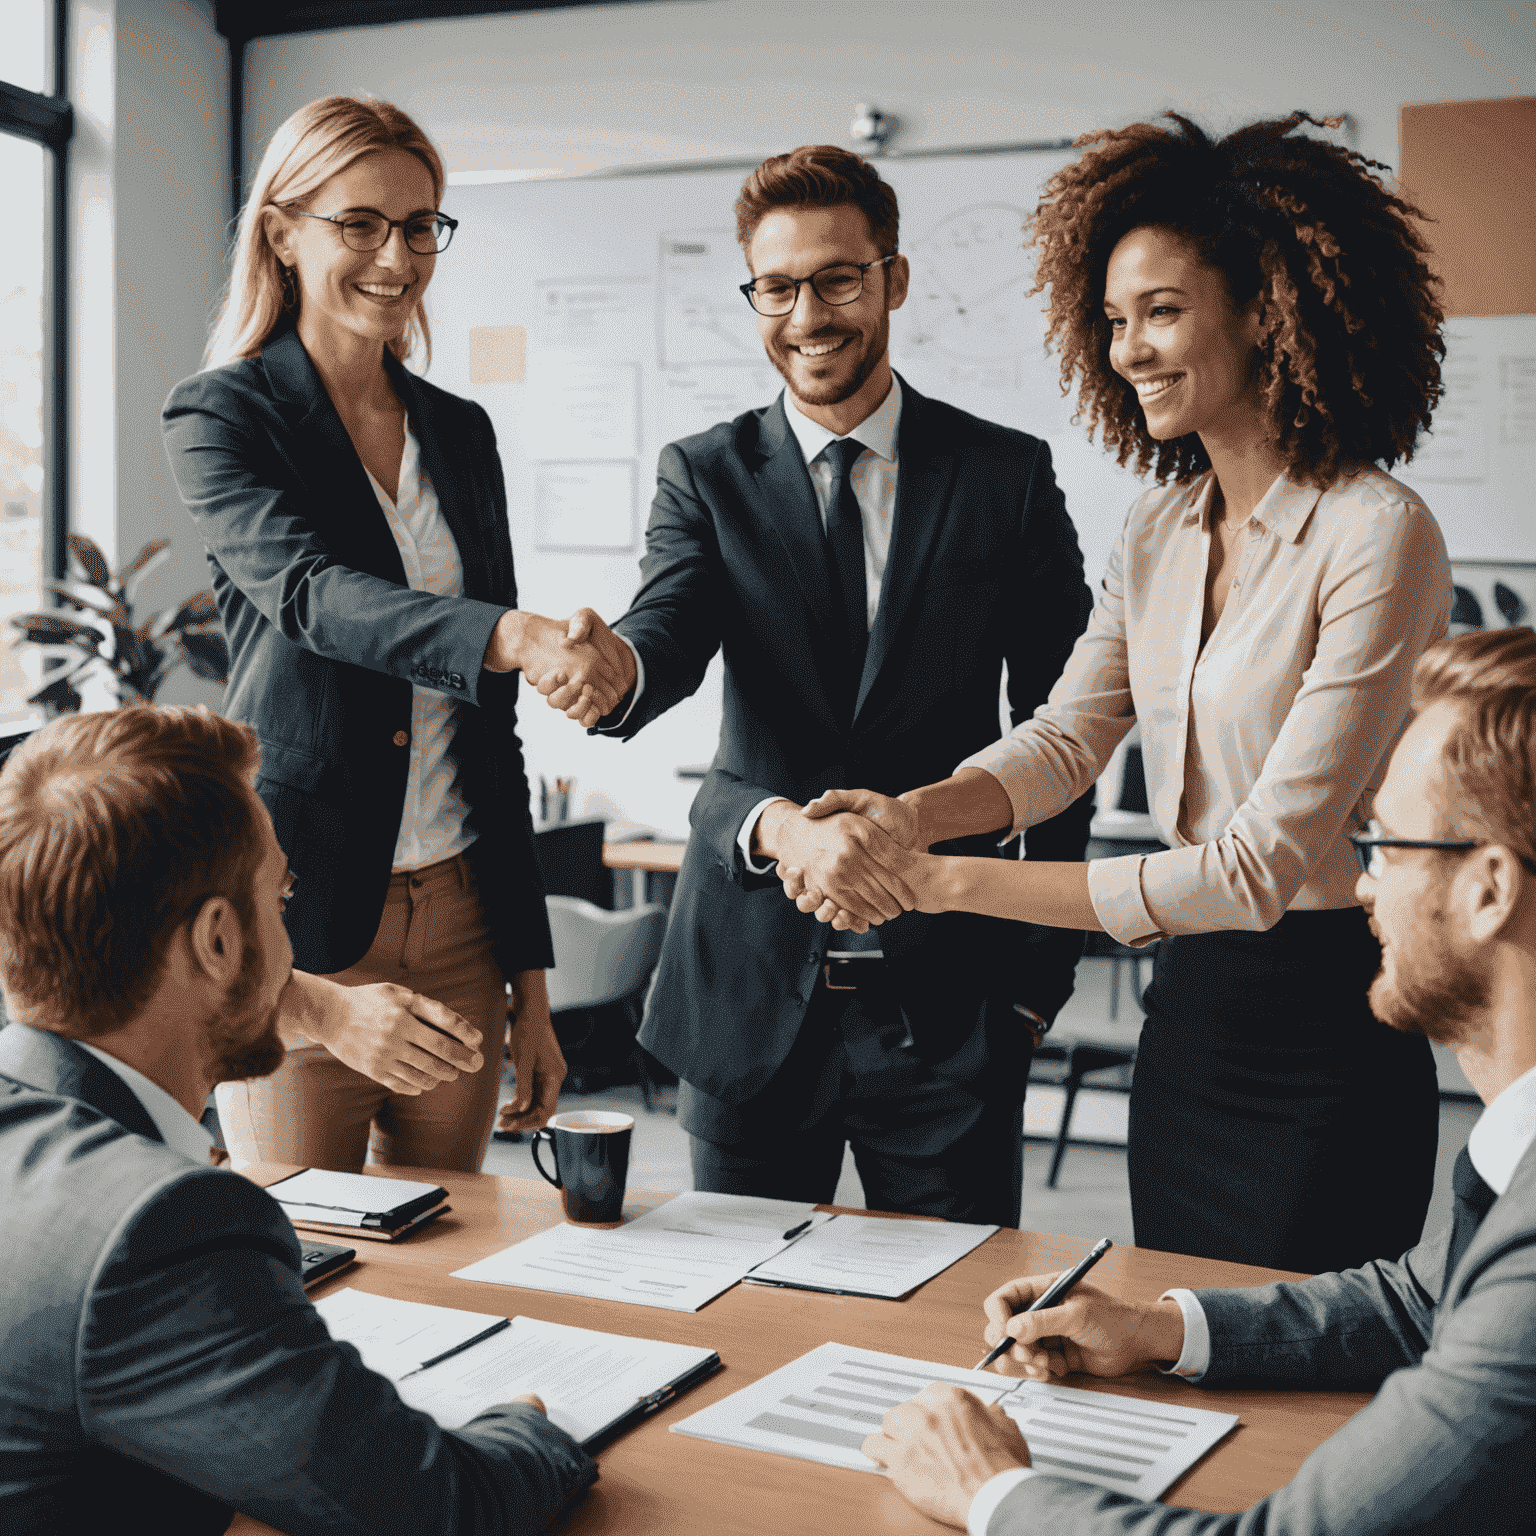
(428, 234)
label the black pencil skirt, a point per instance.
(1273, 1119)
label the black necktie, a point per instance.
(845, 546)
(1472, 1199)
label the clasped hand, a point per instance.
(857, 859)
(578, 664)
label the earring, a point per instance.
(290, 287)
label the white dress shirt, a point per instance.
(178, 1130)
(874, 488)
(1264, 747)
(432, 821)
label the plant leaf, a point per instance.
(200, 608)
(204, 651)
(54, 629)
(149, 552)
(59, 694)
(85, 598)
(135, 575)
(91, 559)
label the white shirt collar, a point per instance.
(177, 1128)
(1504, 1133)
(877, 432)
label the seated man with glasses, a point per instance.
(867, 559)
(1447, 1332)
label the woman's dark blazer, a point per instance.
(326, 639)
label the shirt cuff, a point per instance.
(990, 1495)
(639, 688)
(744, 837)
(1195, 1358)
(1114, 888)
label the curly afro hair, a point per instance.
(1350, 357)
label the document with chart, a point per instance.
(871, 1255)
(823, 1405)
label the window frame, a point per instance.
(49, 120)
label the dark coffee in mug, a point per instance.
(591, 1156)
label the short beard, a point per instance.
(1436, 993)
(834, 394)
(237, 1055)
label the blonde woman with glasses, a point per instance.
(355, 521)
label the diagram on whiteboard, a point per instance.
(704, 318)
(970, 274)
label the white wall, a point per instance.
(593, 87)
(148, 202)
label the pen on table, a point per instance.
(796, 1231)
(1051, 1295)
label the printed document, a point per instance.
(588, 1381)
(871, 1255)
(397, 1338)
(679, 1256)
(823, 1405)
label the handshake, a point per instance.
(853, 857)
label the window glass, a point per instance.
(22, 169)
(24, 60)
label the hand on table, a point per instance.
(536, 1057)
(942, 1446)
(585, 631)
(405, 1041)
(1089, 1331)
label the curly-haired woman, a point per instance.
(1251, 320)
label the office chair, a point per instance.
(603, 965)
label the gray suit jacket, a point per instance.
(1447, 1446)
(161, 1366)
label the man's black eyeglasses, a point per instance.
(1366, 843)
(428, 234)
(839, 285)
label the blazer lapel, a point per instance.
(344, 505)
(53, 1064)
(924, 485)
(787, 500)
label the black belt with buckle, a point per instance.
(846, 970)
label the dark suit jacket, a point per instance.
(326, 640)
(984, 567)
(1446, 1448)
(161, 1366)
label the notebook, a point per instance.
(352, 1202)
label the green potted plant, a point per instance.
(107, 642)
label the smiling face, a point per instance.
(345, 295)
(828, 354)
(1431, 981)
(1179, 340)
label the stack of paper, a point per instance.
(871, 1255)
(822, 1406)
(590, 1383)
(679, 1256)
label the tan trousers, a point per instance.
(319, 1113)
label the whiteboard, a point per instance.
(610, 307)
(598, 319)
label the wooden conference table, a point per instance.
(658, 1484)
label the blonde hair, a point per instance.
(319, 141)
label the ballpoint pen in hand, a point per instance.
(1051, 1295)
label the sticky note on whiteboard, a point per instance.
(498, 354)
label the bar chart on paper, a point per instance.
(823, 1405)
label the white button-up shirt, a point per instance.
(1264, 747)
(432, 821)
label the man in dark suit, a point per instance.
(159, 1359)
(867, 559)
(1447, 1332)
